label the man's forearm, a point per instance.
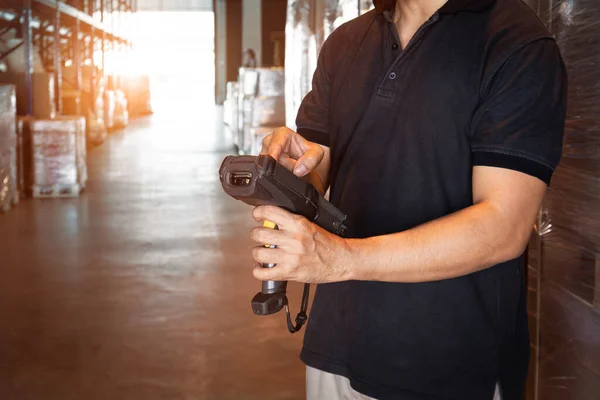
(460, 244)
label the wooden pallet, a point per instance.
(56, 191)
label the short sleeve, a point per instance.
(520, 122)
(312, 121)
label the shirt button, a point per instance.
(393, 76)
(394, 46)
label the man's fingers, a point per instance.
(278, 273)
(278, 216)
(287, 162)
(265, 144)
(285, 145)
(309, 161)
(268, 236)
(278, 143)
(265, 255)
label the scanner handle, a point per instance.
(272, 297)
(271, 287)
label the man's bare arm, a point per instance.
(495, 229)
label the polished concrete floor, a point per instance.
(140, 288)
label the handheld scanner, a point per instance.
(262, 181)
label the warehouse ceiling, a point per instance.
(175, 5)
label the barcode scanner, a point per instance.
(260, 180)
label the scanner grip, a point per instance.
(271, 287)
(272, 299)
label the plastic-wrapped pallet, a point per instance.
(230, 110)
(257, 136)
(309, 24)
(270, 82)
(44, 105)
(8, 148)
(248, 83)
(244, 138)
(564, 259)
(94, 111)
(58, 156)
(336, 13)
(268, 111)
(121, 119)
(227, 109)
(110, 104)
(137, 92)
(366, 6)
(82, 172)
(301, 51)
(262, 103)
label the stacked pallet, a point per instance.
(43, 100)
(258, 103)
(58, 156)
(9, 194)
(137, 92)
(565, 266)
(230, 113)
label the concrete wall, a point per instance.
(228, 44)
(252, 27)
(220, 50)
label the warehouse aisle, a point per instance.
(140, 288)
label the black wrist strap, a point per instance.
(302, 316)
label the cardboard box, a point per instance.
(15, 60)
(44, 105)
(71, 102)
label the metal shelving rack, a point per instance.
(77, 30)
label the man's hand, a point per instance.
(305, 252)
(293, 151)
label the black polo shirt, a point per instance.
(481, 83)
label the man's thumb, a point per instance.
(300, 170)
(308, 162)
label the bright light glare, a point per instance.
(176, 49)
(171, 43)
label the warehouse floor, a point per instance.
(140, 288)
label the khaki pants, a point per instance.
(324, 386)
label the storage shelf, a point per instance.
(44, 10)
(61, 30)
(70, 12)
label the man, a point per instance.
(437, 126)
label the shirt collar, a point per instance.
(451, 7)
